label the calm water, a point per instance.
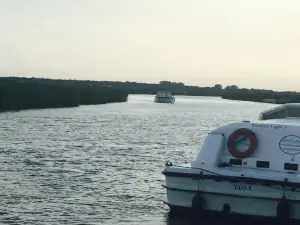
(102, 164)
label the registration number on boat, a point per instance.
(242, 187)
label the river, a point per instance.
(101, 164)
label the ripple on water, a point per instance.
(101, 164)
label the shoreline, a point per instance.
(18, 94)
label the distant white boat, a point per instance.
(164, 97)
(243, 167)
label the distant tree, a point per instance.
(165, 82)
(218, 86)
(231, 87)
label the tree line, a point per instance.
(259, 95)
(32, 93)
(27, 93)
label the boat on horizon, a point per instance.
(164, 97)
(247, 168)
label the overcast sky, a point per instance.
(250, 43)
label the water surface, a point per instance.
(102, 164)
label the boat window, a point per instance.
(276, 115)
(293, 112)
(235, 162)
(291, 166)
(263, 164)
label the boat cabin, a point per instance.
(290, 110)
(164, 94)
(271, 143)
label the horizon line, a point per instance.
(223, 86)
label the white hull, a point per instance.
(244, 206)
(255, 199)
(164, 100)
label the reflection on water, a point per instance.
(179, 218)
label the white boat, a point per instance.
(164, 97)
(248, 168)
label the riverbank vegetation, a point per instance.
(28, 93)
(266, 96)
(31, 93)
(231, 92)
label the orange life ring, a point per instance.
(232, 142)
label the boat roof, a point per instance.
(285, 121)
(289, 112)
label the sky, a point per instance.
(249, 43)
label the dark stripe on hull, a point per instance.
(225, 194)
(232, 179)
